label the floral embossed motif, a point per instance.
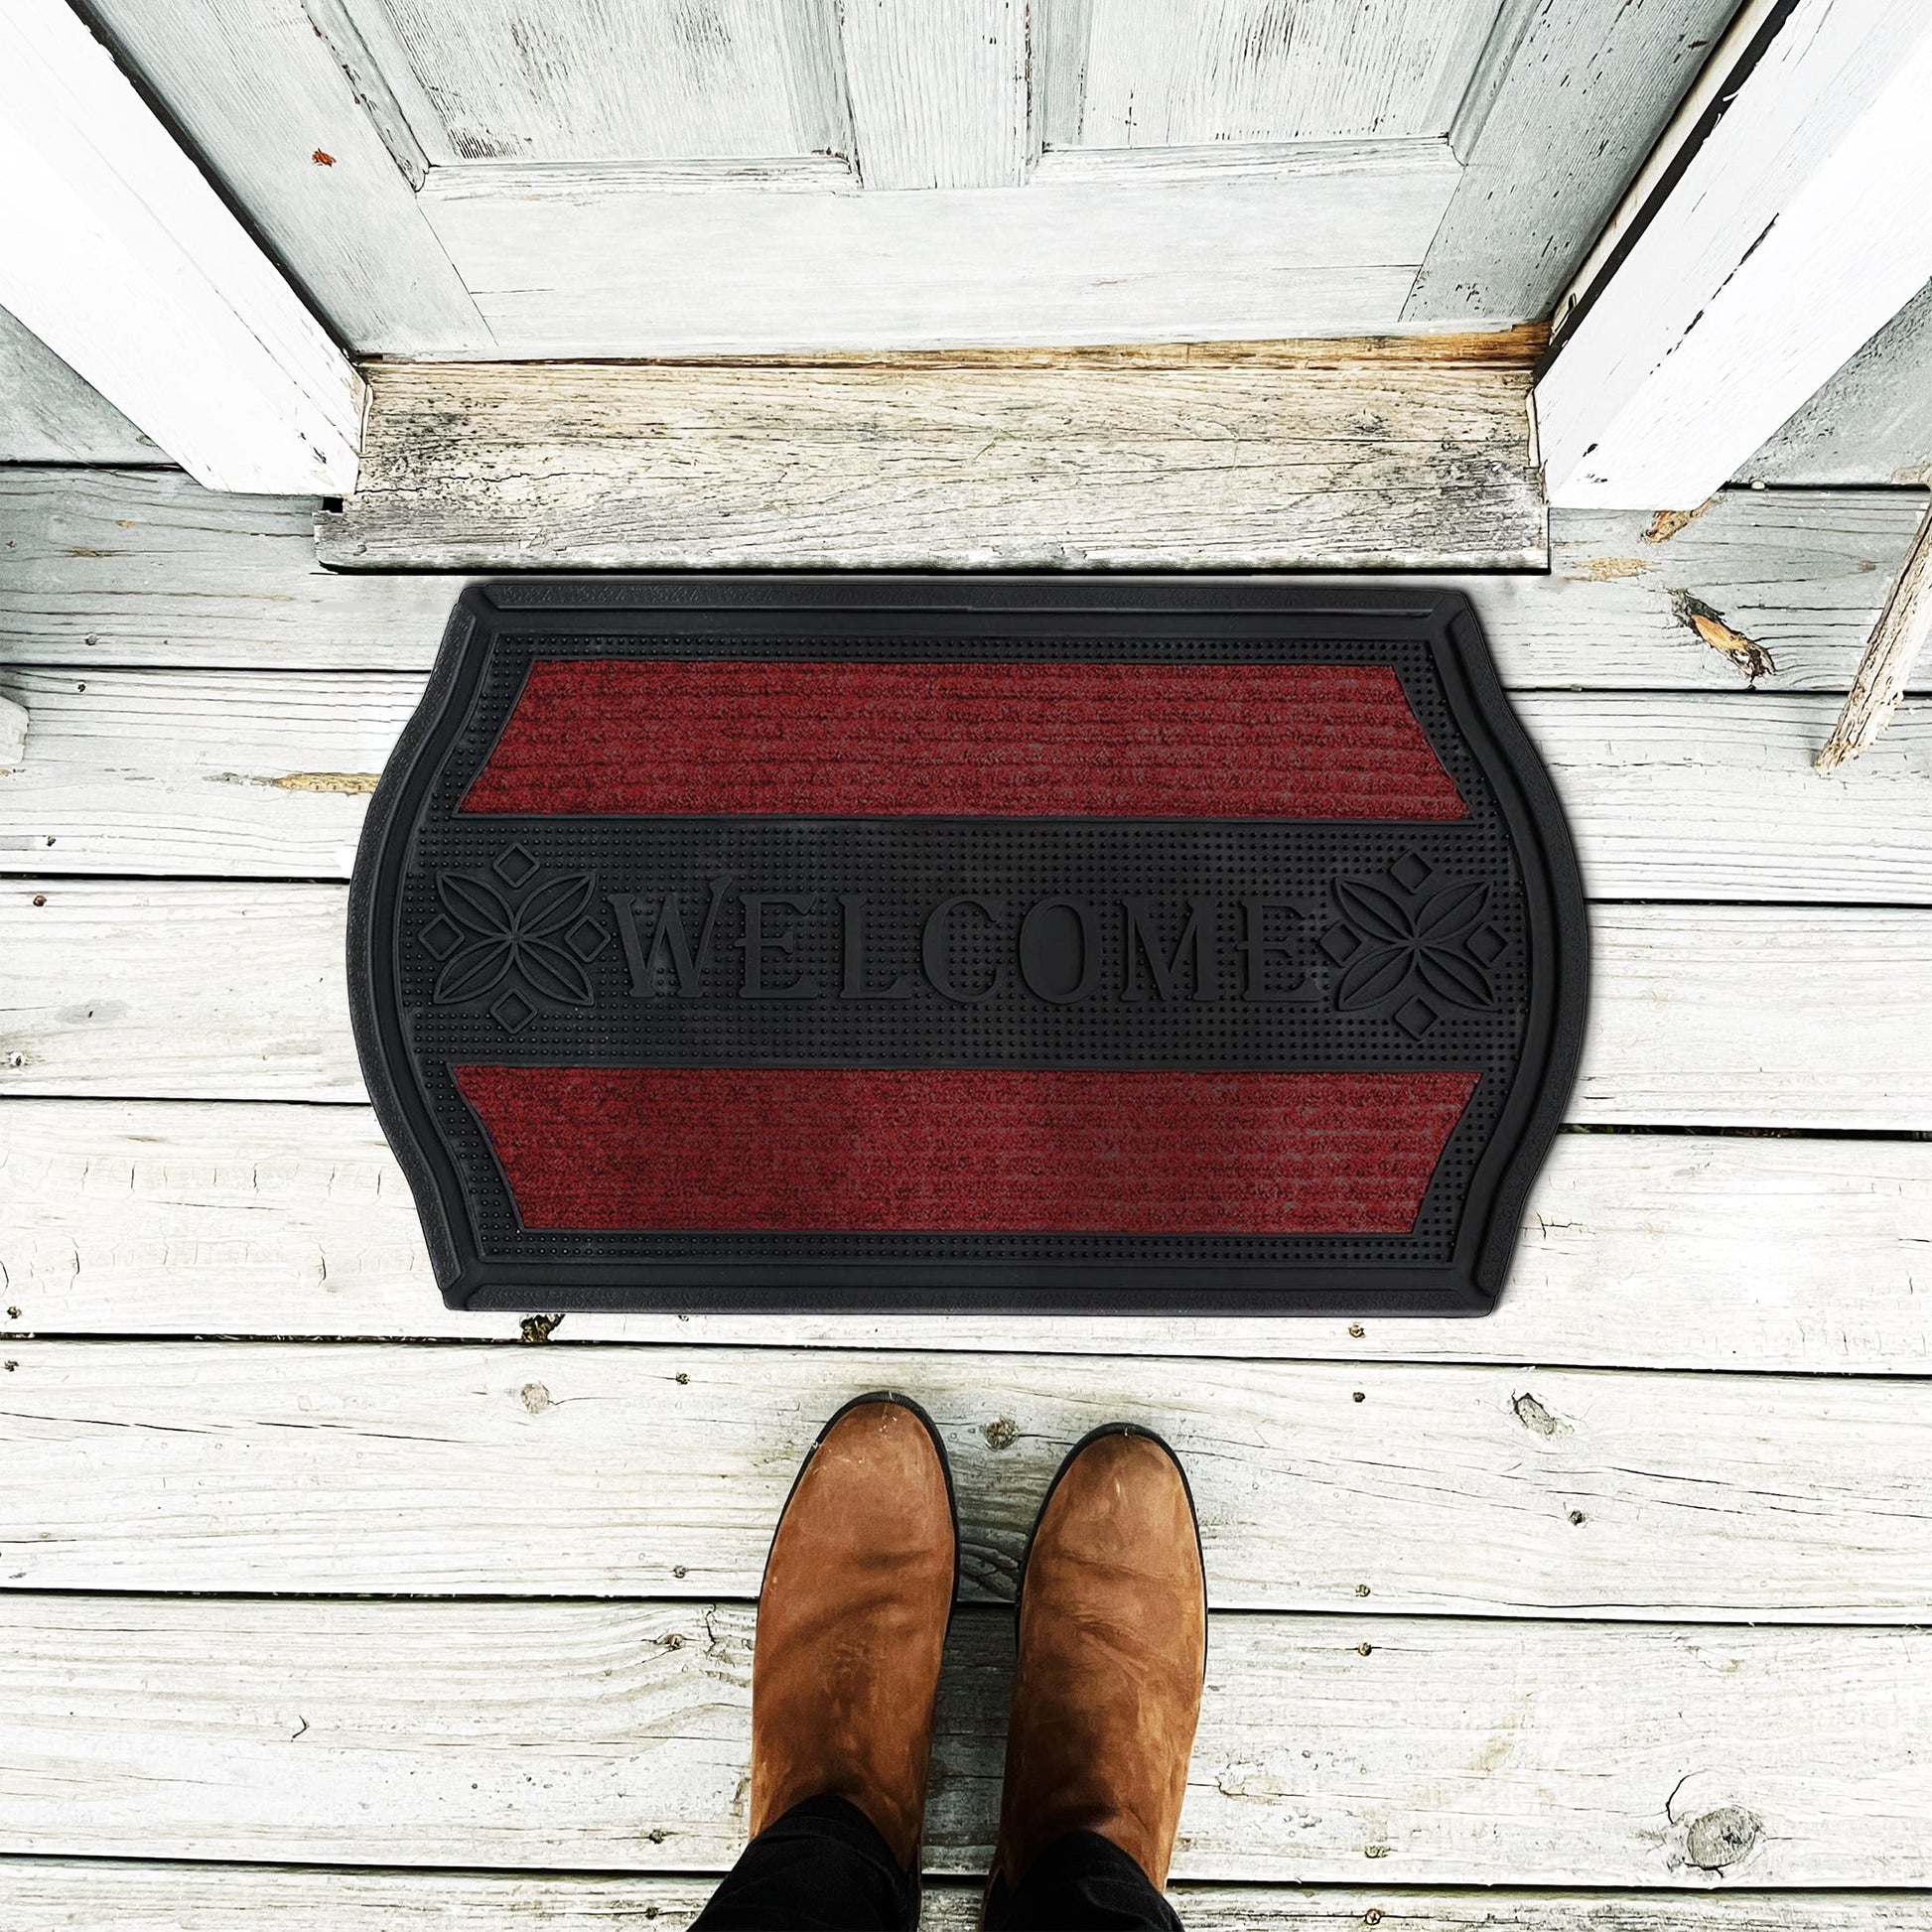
(1432, 945)
(533, 929)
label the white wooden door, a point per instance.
(542, 177)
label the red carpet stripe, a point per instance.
(966, 1149)
(980, 738)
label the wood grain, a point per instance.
(259, 91)
(239, 1218)
(107, 567)
(594, 80)
(938, 93)
(1712, 1016)
(1584, 87)
(1871, 422)
(1177, 73)
(580, 1735)
(1722, 69)
(48, 414)
(571, 1472)
(83, 1894)
(565, 467)
(1798, 227)
(1897, 643)
(117, 252)
(117, 568)
(123, 780)
(1204, 244)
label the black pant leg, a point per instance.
(821, 1867)
(1081, 1882)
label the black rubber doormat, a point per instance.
(902, 943)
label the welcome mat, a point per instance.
(899, 943)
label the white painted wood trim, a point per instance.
(565, 184)
(1426, 157)
(1797, 229)
(1246, 242)
(1750, 20)
(119, 255)
(259, 88)
(1566, 99)
(373, 61)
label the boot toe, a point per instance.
(852, 1619)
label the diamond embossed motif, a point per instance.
(1409, 938)
(936, 943)
(516, 936)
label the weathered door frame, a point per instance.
(116, 254)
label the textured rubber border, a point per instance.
(893, 606)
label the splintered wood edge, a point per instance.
(1896, 640)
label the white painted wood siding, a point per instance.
(115, 569)
(1870, 422)
(601, 1736)
(48, 414)
(1466, 1491)
(252, 1218)
(123, 780)
(191, 990)
(84, 1894)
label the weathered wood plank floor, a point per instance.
(327, 1608)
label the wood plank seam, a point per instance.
(655, 1472)
(581, 1736)
(119, 570)
(164, 1897)
(123, 780)
(240, 1218)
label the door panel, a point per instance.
(653, 176)
(616, 80)
(1090, 251)
(1177, 73)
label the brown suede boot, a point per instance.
(852, 1618)
(1113, 1647)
